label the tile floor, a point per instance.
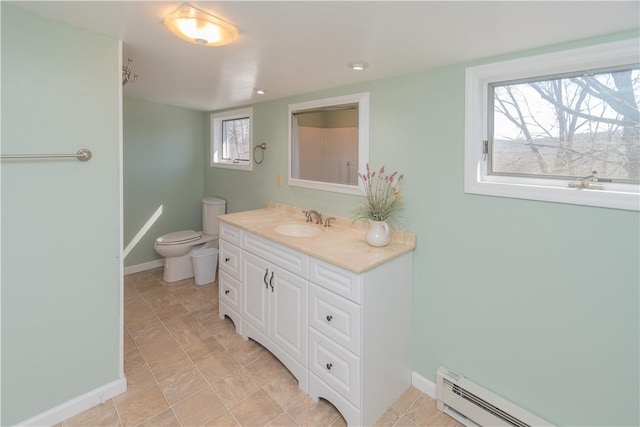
(187, 367)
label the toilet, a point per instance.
(176, 247)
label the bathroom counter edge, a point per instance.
(343, 244)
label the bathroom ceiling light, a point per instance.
(358, 65)
(199, 27)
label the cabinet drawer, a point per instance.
(335, 366)
(335, 317)
(230, 259)
(343, 282)
(230, 233)
(289, 259)
(229, 291)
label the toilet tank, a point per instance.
(211, 208)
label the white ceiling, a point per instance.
(294, 47)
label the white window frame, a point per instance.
(216, 139)
(478, 180)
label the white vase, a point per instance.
(378, 234)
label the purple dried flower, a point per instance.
(381, 201)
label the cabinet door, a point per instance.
(289, 313)
(256, 292)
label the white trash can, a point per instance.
(205, 262)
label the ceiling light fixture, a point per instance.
(260, 91)
(199, 27)
(358, 65)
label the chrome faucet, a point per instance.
(310, 213)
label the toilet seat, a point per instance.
(178, 238)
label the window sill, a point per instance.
(243, 166)
(575, 196)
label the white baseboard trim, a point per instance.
(426, 386)
(144, 266)
(77, 405)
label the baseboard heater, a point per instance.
(473, 405)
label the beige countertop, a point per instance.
(343, 244)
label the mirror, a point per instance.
(329, 143)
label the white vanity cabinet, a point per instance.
(360, 336)
(345, 336)
(275, 305)
(270, 298)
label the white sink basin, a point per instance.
(298, 230)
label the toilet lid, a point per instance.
(178, 237)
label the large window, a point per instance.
(561, 127)
(231, 145)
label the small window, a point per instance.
(561, 127)
(231, 140)
(235, 140)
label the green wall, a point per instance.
(536, 301)
(61, 272)
(163, 167)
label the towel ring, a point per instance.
(262, 146)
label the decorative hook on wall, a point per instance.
(126, 74)
(263, 147)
